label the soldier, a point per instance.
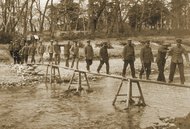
(11, 48)
(41, 50)
(25, 52)
(57, 52)
(50, 51)
(161, 61)
(146, 58)
(75, 54)
(67, 53)
(16, 49)
(177, 59)
(33, 53)
(104, 58)
(129, 58)
(89, 54)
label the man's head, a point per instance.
(51, 41)
(105, 44)
(75, 42)
(88, 42)
(147, 43)
(179, 41)
(129, 41)
(165, 45)
(56, 42)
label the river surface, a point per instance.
(45, 106)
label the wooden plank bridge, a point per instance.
(53, 72)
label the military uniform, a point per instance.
(75, 55)
(33, 53)
(129, 58)
(147, 58)
(161, 60)
(50, 51)
(104, 58)
(25, 52)
(57, 52)
(16, 49)
(67, 54)
(41, 50)
(89, 54)
(177, 59)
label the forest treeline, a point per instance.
(95, 18)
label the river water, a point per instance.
(45, 106)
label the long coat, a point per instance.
(176, 54)
(146, 55)
(89, 53)
(104, 53)
(128, 53)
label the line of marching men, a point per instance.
(21, 51)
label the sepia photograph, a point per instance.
(94, 64)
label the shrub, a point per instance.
(5, 37)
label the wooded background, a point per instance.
(95, 17)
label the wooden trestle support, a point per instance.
(79, 87)
(129, 95)
(52, 76)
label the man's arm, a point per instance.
(186, 54)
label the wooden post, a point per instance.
(141, 99)
(129, 93)
(72, 78)
(79, 82)
(51, 74)
(86, 78)
(47, 73)
(117, 92)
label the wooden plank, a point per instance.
(123, 78)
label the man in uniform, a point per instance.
(161, 61)
(16, 49)
(57, 52)
(177, 59)
(146, 57)
(50, 51)
(33, 53)
(41, 50)
(89, 54)
(104, 57)
(75, 54)
(67, 53)
(25, 52)
(129, 58)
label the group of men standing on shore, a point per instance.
(21, 52)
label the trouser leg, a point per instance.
(73, 61)
(148, 70)
(124, 68)
(66, 60)
(132, 68)
(181, 72)
(100, 65)
(141, 71)
(77, 63)
(172, 71)
(107, 66)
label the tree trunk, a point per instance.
(43, 17)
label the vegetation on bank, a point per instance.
(70, 19)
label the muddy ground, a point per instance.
(47, 106)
